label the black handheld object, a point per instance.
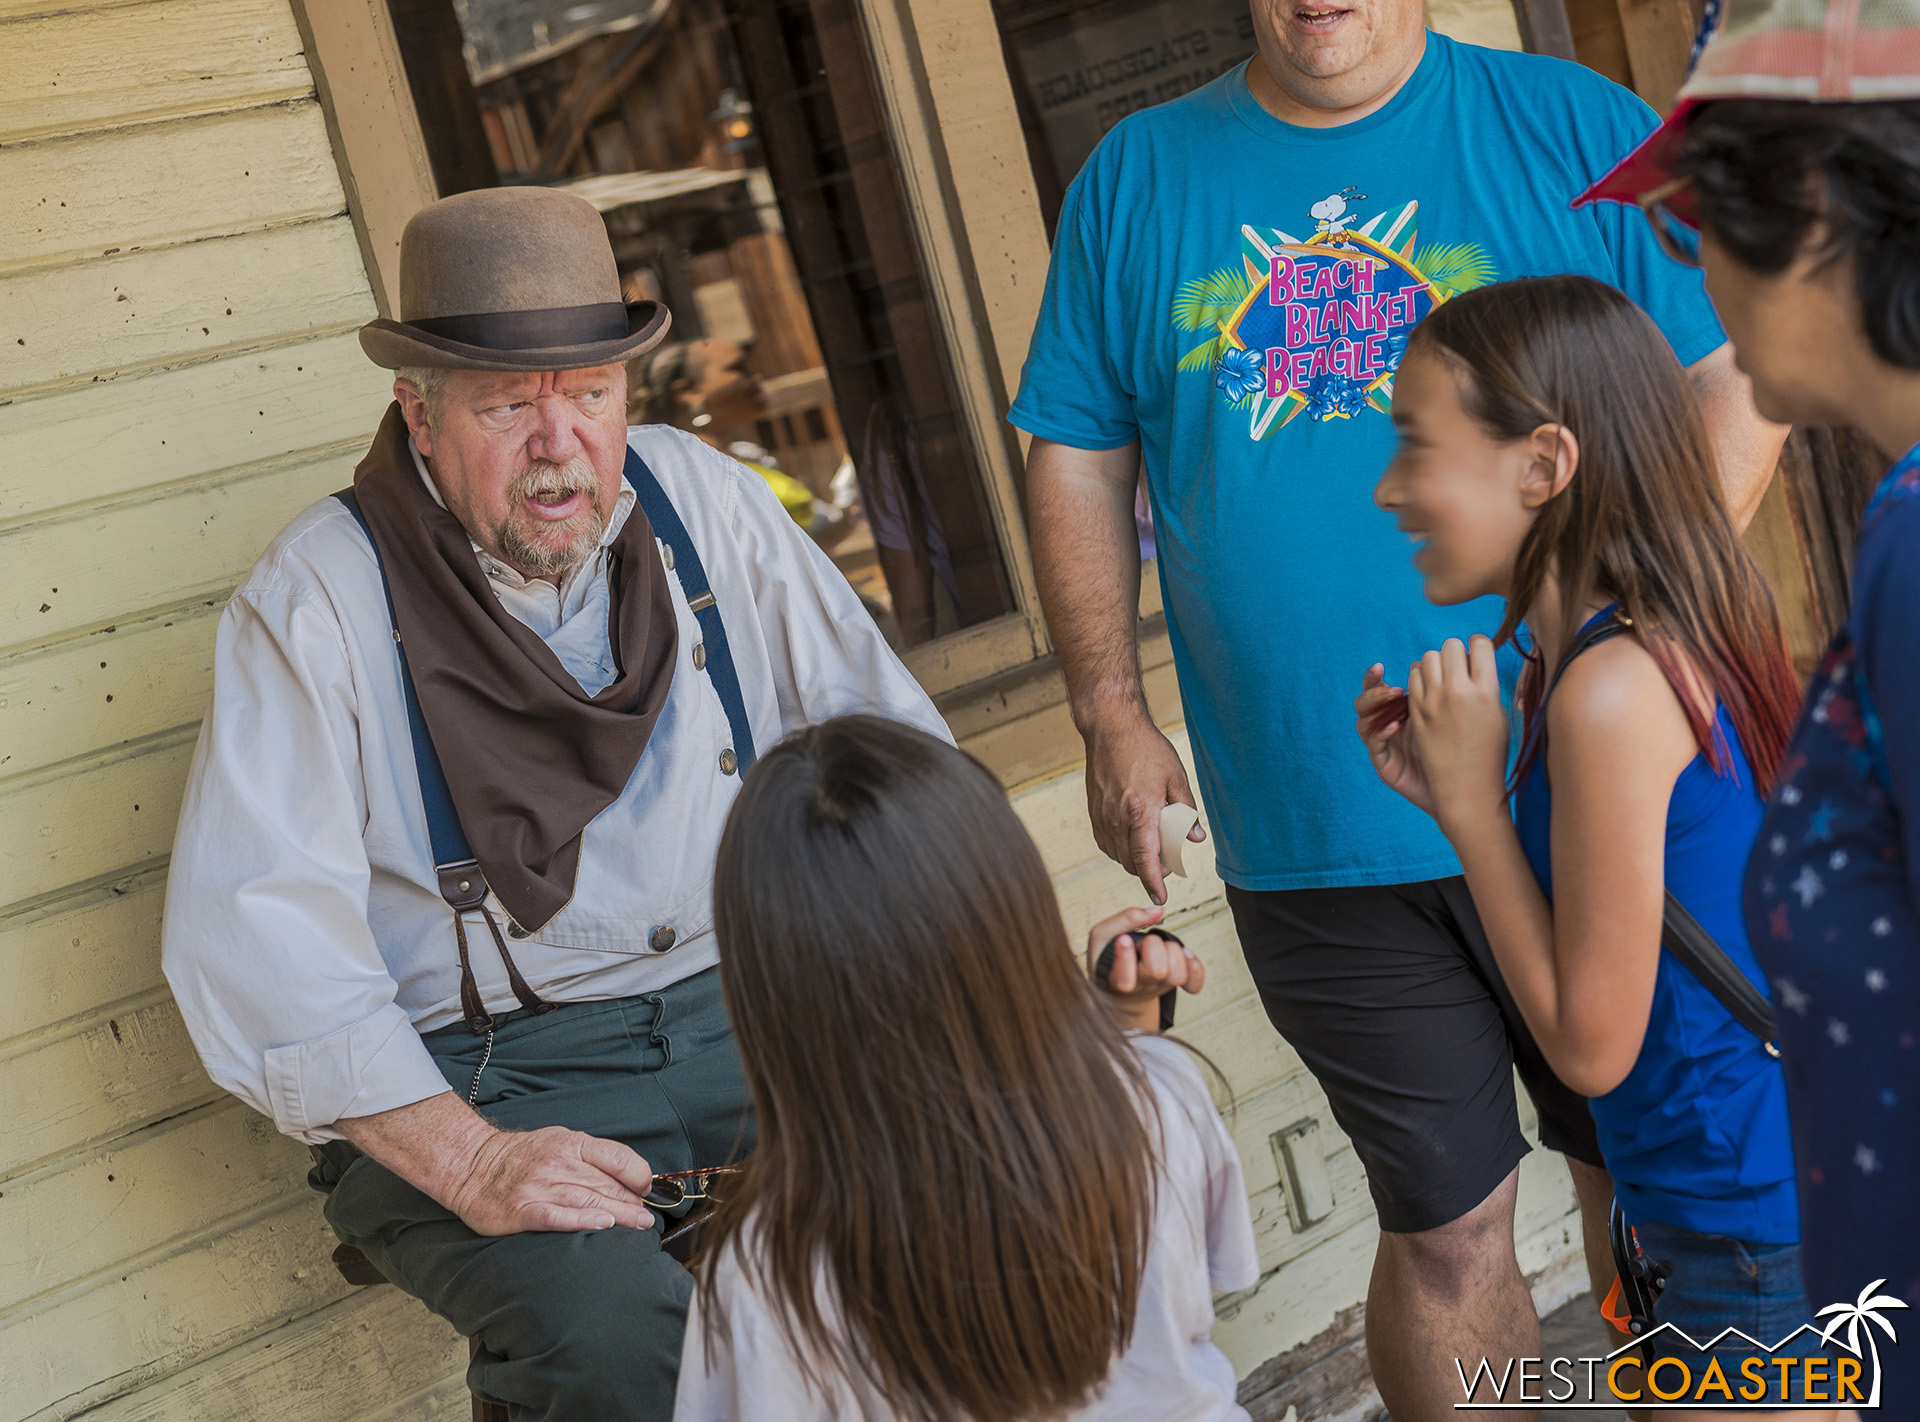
(1642, 1280)
(1103, 970)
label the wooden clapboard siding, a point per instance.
(94, 1080)
(179, 286)
(120, 314)
(166, 184)
(104, 816)
(53, 699)
(82, 954)
(193, 1170)
(163, 1308)
(374, 1343)
(76, 69)
(74, 572)
(189, 422)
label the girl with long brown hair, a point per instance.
(982, 1189)
(1552, 453)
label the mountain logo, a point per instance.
(1837, 1364)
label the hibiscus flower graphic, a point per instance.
(1240, 373)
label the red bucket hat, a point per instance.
(1815, 51)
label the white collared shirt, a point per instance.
(305, 938)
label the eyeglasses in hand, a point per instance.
(675, 1188)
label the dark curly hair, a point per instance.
(1765, 171)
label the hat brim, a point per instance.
(1648, 166)
(395, 345)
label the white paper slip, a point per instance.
(1175, 821)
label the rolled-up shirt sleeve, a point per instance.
(266, 944)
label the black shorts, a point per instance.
(1391, 997)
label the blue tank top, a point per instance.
(1697, 1135)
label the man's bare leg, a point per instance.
(1595, 1189)
(1444, 1294)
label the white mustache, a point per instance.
(574, 477)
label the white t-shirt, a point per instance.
(1202, 1242)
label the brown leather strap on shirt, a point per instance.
(464, 887)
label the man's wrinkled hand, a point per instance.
(552, 1179)
(1133, 772)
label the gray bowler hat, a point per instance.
(511, 279)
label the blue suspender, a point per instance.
(453, 859)
(683, 560)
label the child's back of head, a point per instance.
(950, 1124)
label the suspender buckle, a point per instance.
(462, 884)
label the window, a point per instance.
(1078, 68)
(739, 153)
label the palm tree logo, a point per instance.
(1862, 1310)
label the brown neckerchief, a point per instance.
(530, 758)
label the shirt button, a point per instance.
(666, 555)
(516, 932)
(729, 762)
(662, 938)
(699, 655)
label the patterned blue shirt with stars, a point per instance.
(1833, 909)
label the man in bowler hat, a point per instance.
(440, 902)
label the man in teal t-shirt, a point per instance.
(1234, 275)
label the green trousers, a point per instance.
(581, 1327)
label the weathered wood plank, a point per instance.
(1292, 1304)
(375, 1354)
(78, 68)
(168, 1310)
(179, 1180)
(164, 184)
(112, 1075)
(80, 955)
(54, 702)
(446, 1401)
(1257, 1114)
(186, 424)
(110, 817)
(1599, 41)
(1659, 39)
(140, 309)
(68, 574)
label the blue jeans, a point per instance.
(1715, 1283)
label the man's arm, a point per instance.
(1747, 446)
(504, 1182)
(1086, 559)
(268, 952)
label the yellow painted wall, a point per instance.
(179, 285)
